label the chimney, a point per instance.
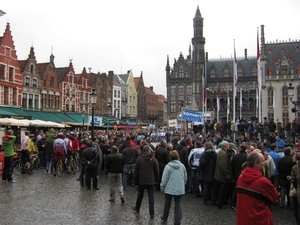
(151, 87)
(246, 56)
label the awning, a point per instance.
(16, 113)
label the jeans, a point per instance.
(285, 191)
(127, 168)
(141, 189)
(195, 178)
(177, 208)
(115, 180)
(49, 162)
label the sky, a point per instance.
(138, 35)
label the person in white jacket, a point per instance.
(173, 185)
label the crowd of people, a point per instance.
(246, 174)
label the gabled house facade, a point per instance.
(141, 99)
(31, 94)
(152, 106)
(10, 74)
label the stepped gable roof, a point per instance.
(136, 81)
(42, 68)
(61, 72)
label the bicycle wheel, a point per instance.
(37, 163)
(16, 169)
(73, 166)
(59, 168)
(18, 165)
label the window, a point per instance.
(50, 101)
(284, 69)
(181, 72)
(30, 101)
(73, 106)
(57, 101)
(6, 95)
(180, 89)
(67, 91)
(270, 97)
(34, 83)
(43, 100)
(86, 97)
(173, 90)
(31, 69)
(115, 104)
(27, 81)
(226, 72)
(240, 72)
(285, 116)
(115, 93)
(271, 114)
(253, 71)
(15, 96)
(2, 72)
(36, 101)
(67, 105)
(24, 101)
(189, 89)
(73, 92)
(81, 96)
(285, 98)
(11, 74)
(51, 82)
(118, 94)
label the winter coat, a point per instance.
(295, 179)
(51, 136)
(114, 163)
(255, 193)
(266, 127)
(8, 145)
(90, 154)
(174, 178)
(223, 171)
(207, 165)
(285, 166)
(183, 154)
(146, 170)
(237, 161)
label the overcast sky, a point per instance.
(135, 34)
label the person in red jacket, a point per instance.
(73, 144)
(255, 193)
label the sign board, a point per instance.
(173, 123)
(192, 116)
(131, 123)
(97, 121)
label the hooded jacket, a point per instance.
(51, 136)
(146, 170)
(255, 195)
(174, 178)
(8, 145)
(207, 165)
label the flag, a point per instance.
(258, 66)
(218, 98)
(256, 98)
(235, 75)
(228, 102)
(115, 127)
(241, 98)
(138, 128)
(274, 100)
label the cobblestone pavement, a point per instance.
(45, 199)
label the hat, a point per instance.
(31, 135)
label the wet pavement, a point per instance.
(45, 199)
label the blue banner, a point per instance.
(192, 116)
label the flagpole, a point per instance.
(241, 101)
(218, 101)
(234, 80)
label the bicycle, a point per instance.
(72, 165)
(59, 167)
(35, 161)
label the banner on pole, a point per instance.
(192, 116)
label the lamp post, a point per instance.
(290, 90)
(83, 116)
(93, 102)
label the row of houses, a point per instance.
(41, 86)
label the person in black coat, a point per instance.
(162, 156)
(90, 159)
(236, 164)
(207, 167)
(285, 165)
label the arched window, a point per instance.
(67, 91)
(67, 105)
(31, 69)
(74, 92)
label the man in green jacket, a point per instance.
(8, 144)
(223, 174)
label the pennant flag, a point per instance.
(138, 128)
(235, 75)
(218, 98)
(258, 66)
(115, 127)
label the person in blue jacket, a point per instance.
(173, 185)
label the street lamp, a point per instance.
(290, 90)
(83, 116)
(93, 102)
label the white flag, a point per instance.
(241, 98)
